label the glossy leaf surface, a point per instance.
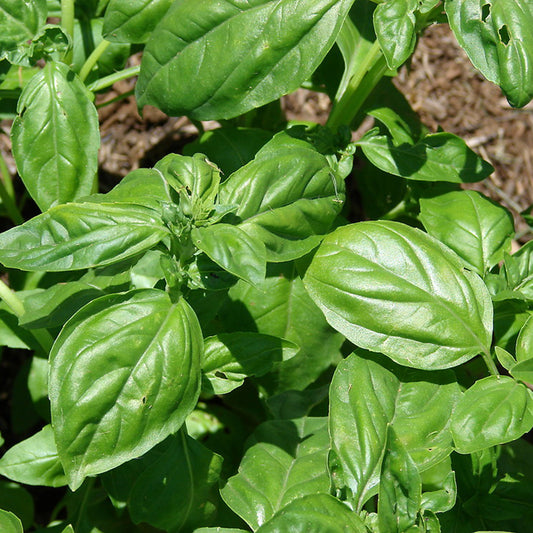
(288, 197)
(231, 357)
(480, 236)
(437, 157)
(133, 21)
(10, 523)
(273, 47)
(78, 236)
(398, 291)
(319, 513)
(366, 398)
(34, 461)
(56, 137)
(182, 473)
(234, 250)
(20, 21)
(294, 455)
(493, 411)
(524, 342)
(496, 35)
(281, 307)
(125, 372)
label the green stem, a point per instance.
(83, 504)
(14, 303)
(91, 61)
(396, 212)
(490, 364)
(7, 194)
(67, 23)
(107, 81)
(116, 99)
(359, 87)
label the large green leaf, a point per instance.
(236, 55)
(182, 473)
(287, 461)
(480, 235)
(287, 197)
(281, 307)
(133, 21)
(438, 156)
(496, 35)
(398, 291)
(125, 372)
(56, 137)
(78, 236)
(316, 513)
(20, 21)
(231, 357)
(495, 410)
(34, 461)
(234, 250)
(366, 398)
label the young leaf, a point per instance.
(9, 523)
(523, 371)
(125, 372)
(524, 342)
(436, 157)
(320, 513)
(400, 488)
(497, 37)
(480, 236)
(518, 272)
(20, 21)
(34, 461)
(231, 357)
(398, 291)
(234, 250)
(78, 236)
(494, 410)
(182, 473)
(366, 398)
(287, 461)
(279, 45)
(281, 307)
(133, 21)
(288, 197)
(56, 137)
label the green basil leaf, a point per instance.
(518, 272)
(480, 236)
(319, 513)
(279, 45)
(56, 137)
(523, 371)
(524, 342)
(395, 25)
(219, 530)
(10, 523)
(504, 358)
(234, 250)
(287, 461)
(231, 357)
(34, 461)
(436, 157)
(493, 411)
(400, 488)
(280, 306)
(18, 500)
(496, 35)
(398, 291)
(20, 21)
(125, 372)
(78, 236)
(288, 197)
(366, 398)
(133, 21)
(183, 474)
(439, 488)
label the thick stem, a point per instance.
(491, 365)
(67, 23)
(107, 81)
(359, 87)
(93, 59)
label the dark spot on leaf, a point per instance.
(220, 375)
(143, 400)
(485, 12)
(504, 35)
